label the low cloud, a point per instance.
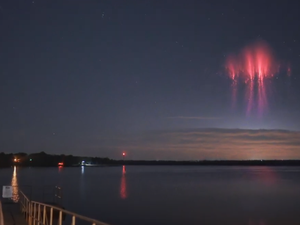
(194, 118)
(198, 144)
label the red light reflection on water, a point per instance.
(264, 174)
(123, 189)
(60, 168)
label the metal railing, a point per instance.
(37, 213)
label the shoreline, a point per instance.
(178, 163)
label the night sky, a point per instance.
(97, 78)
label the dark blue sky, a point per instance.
(79, 77)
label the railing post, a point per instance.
(30, 214)
(44, 215)
(60, 218)
(34, 213)
(39, 215)
(73, 220)
(51, 216)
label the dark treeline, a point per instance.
(217, 162)
(43, 159)
(46, 160)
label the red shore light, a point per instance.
(60, 163)
(124, 154)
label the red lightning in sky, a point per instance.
(253, 66)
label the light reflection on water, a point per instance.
(14, 184)
(123, 190)
(60, 168)
(266, 175)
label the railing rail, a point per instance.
(37, 213)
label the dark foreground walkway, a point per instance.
(12, 214)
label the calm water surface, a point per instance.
(172, 194)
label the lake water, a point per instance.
(161, 195)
